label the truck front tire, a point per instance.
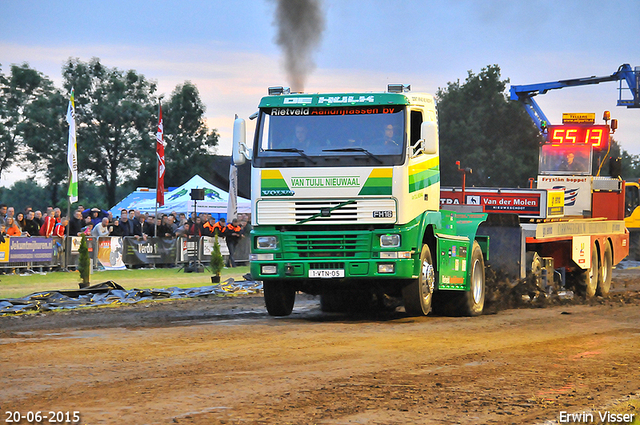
(589, 278)
(418, 294)
(278, 297)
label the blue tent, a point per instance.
(133, 200)
(179, 200)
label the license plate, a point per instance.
(326, 274)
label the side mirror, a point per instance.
(239, 141)
(429, 136)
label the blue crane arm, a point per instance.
(525, 93)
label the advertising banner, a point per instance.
(151, 251)
(4, 250)
(110, 253)
(207, 247)
(577, 191)
(30, 250)
(527, 203)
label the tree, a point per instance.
(630, 163)
(485, 131)
(24, 193)
(17, 92)
(45, 133)
(28, 192)
(190, 144)
(84, 263)
(114, 112)
(217, 261)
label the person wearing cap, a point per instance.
(96, 215)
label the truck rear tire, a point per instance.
(606, 270)
(418, 294)
(279, 297)
(468, 303)
(473, 301)
(587, 280)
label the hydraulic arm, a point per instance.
(526, 93)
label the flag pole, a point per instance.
(157, 177)
(72, 162)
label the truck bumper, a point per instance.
(340, 269)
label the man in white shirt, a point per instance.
(102, 229)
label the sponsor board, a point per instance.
(527, 203)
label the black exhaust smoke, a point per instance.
(300, 25)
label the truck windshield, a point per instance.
(340, 136)
(572, 159)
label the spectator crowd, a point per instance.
(97, 222)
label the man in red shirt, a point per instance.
(48, 225)
(60, 229)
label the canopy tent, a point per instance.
(179, 200)
(132, 200)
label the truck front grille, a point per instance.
(351, 245)
(362, 211)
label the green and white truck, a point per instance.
(346, 200)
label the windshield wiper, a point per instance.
(298, 151)
(363, 150)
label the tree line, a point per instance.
(116, 120)
(117, 113)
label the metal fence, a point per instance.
(112, 252)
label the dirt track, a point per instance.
(210, 361)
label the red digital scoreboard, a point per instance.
(575, 134)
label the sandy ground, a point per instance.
(216, 361)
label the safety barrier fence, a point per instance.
(113, 252)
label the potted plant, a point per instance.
(217, 262)
(84, 263)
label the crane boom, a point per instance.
(525, 93)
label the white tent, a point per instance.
(179, 200)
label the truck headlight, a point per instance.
(388, 241)
(386, 268)
(266, 242)
(269, 269)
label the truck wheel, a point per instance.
(604, 281)
(278, 297)
(473, 301)
(534, 271)
(588, 279)
(418, 294)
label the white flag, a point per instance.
(72, 152)
(232, 206)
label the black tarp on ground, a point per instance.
(111, 293)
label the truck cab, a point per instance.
(345, 198)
